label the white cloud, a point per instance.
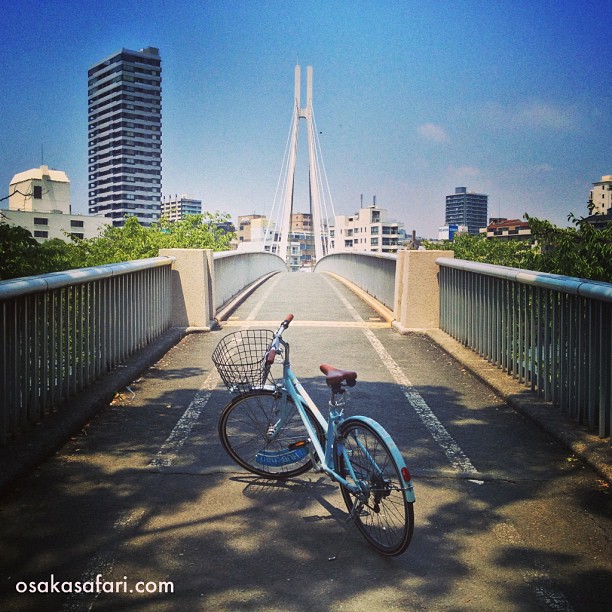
(541, 115)
(432, 132)
(531, 114)
(466, 172)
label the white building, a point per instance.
(368, 230)
(39, 201)
(448, 232)
(601, 196)
(174, 208)
(40, 190)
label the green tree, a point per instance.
(134, 241)
(196, 232)
(22, 255)
(514, 253)
(18, 252)
(582, 251)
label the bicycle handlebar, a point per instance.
(271, 354)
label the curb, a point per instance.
(594, 451)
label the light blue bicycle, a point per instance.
(276, 431)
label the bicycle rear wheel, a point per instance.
(381, 511)
(263, 432)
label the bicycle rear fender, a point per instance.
(397, 456)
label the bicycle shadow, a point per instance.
(295, 493)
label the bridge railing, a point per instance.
(233, 271)
(550, 332)
(372, 272)
(60, 332)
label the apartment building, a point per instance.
(601, 196)
(175, 208)
(367, 230)
(125, 136)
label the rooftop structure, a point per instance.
(40, 190)
(39, 201)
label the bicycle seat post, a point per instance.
(336, 403)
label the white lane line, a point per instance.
(313, 323)
(537, 575)
(169, 450)
(97, 573)
(458, 460)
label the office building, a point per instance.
(467, 208)
(125, 136)
(39, 201)
(175, 208)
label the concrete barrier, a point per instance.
(417, 290)
(203, 281)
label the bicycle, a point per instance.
(275, 430)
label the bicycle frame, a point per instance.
(323, 458)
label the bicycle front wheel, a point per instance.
(263, 432)
(380, 510)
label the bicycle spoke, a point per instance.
(380, 510)
(244, 430)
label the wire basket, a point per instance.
(240, 359)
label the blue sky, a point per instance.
(412, 99)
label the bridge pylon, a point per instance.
(279, 230)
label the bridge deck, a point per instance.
(146, 493)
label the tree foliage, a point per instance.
(582, 251)
(22, 255)
(18, 250)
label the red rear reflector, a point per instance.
(405, 474)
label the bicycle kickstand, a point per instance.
(346, 522)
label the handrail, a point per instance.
(566, 284)
(17, 287)
(61, 332)
(550, 332)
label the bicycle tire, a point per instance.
(244, 431)
(386, 517)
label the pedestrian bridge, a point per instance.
(63, 332)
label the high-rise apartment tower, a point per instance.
(469, 209)
(125, 136)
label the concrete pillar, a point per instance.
(192, 288)
(417, 293)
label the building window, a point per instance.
(41, 221)
(37, 192)
(41, 234)
(75, 223)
